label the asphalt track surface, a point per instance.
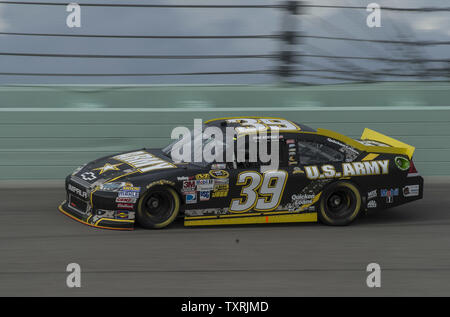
(411, 243)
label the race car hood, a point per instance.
(108, 168)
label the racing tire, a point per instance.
(158, 207)
(340, 204)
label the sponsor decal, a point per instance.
(125, 206)
(129, 193)
(389, 194)
(122, 214)
(204, 195)
(219, 174)
(182, 178)
(161, 182)
(371, 143)
(143, 161)
(205, 184)
(219, 187)
(104, 214)
(302, 199)
(202, 176)
(113, 187)
(265, 137)
(297, 170)
(336, 142)
(136, 189)
(188, 186)
(220, 194)
(220, 190)
(88, 176)
(372, 194)
(293, 163)
(372, 204)
(206, 212)
(342, 145)
(77, 191)
(291, 146)
(107, 167)
(191, 198)
(129, 200)
(218, 166)
(348, 169)
(290, 141)
(301, 202)
(411, 191)
(220, 181)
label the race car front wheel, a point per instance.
(158, 207)
(340, 204)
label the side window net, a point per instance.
(245, 152)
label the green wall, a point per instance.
(45, 132)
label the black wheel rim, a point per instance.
(340, 203)
(158, 206)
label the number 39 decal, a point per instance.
(260, 192)
(248, 125)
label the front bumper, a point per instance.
(88, 205)
(96, 221)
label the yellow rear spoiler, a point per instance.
(369, 134)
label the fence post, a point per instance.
(289, 39)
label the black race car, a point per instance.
(320, 175)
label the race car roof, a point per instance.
(395, 146)
(268, 121)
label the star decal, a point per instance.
(107, 167)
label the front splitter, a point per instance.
(102, 223)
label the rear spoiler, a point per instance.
(369, 134)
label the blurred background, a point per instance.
(132, 72)
(224, 42)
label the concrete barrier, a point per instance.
(41, 140)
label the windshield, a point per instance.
(194, 145)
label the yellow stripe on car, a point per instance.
(370, 157)
(278, 217)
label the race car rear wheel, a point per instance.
(340, 204)
(158, 207)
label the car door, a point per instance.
(255, 185)
(308, 154)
